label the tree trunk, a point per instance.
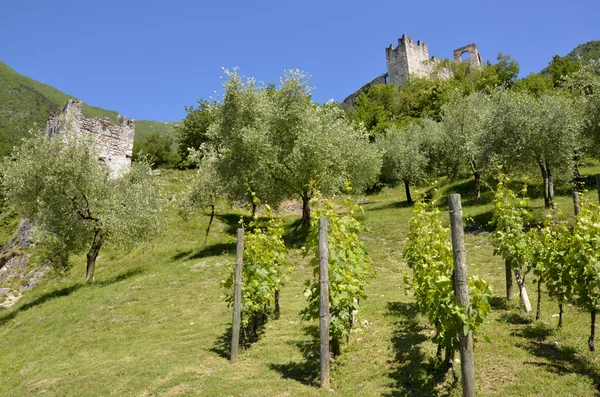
(212, 216)
(539, 299)
(253, 209)
(560, 314)
(546, 185)
(577, 180)
(592, 331)
(277, 307)
(450, 361)
(409, 199)
(336, 346)
(477, 176)
(521, 284)
(305, 221)
(92, 255)
(509, 280)
(550, 186)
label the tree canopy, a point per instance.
(275, 143)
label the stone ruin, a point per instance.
(412, 59)
(115, 142)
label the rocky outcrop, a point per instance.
(16, 276)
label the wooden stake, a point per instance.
(576, 204)
(461, 290)
(324, 301)
(509, 283)
(237, 296)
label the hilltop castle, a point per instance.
(410, 59)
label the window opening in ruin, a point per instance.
(465, 56)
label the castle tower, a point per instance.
(408, 59)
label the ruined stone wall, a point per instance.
(475, 58)
(115, 142)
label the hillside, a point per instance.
(154, 322)
(24, 101)
(587, 51)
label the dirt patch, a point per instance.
(43, 383)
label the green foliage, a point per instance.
(584, 85)
(204, 188)
(464, 121)
(275, 141)
(405, 153)
(349, 268)
(527, 133)
(535, 84)
(510, 215)
(157, 149)
(428, 253)
(560, 67)
(507, 70)
(145, 128)
(60, 185)
(193, 130)
(378, 107)
(264, 272)
(583, 258)
(549, 246)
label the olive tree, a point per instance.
(464, 121)
(405, 156)
(60, 185)
(275, 143)
(542, 132)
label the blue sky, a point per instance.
(147, 59)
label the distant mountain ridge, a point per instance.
(25, 101)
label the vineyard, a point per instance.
(439, 239)
(155, 321)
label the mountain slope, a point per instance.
(587, 51)
(25, 101)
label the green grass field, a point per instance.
(154, 324)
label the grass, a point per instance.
(154, 324)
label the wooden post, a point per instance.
(576, 204)
(509, 283)
(237, 296)
(461, 289)
(324, 301)
(598, 184)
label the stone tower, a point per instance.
(408, 59)
(115, 142)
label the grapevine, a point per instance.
(349, 269)
(264, 272)
(428, 253)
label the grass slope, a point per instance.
(154, 323)
(24, 101)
